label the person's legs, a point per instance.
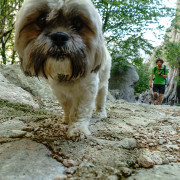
(160, 99)
(156, 98)
(161, 93)
(155, 90)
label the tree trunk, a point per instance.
(170, 96)
(3, 51)
(13, 56)
(178, 94)
(172, 93)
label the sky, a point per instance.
(163, 21)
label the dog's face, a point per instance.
(59, 38)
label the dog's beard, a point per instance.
(41, 49)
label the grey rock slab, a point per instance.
(7, 127)
(36, 86)
(15, 94)
(27, 160)
(3, 79)
(158, 172)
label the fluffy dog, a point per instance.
(62, 41)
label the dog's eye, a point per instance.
(41, 22)
(77, 24)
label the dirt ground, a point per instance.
(117, 145)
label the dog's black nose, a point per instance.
(59, 38)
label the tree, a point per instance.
(8, 9)
(124, 23)
(144, 75)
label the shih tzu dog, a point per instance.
(62, 41)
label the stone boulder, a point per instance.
(36, 86)
(15, 94)
(122, 86)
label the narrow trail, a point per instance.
(135, 141)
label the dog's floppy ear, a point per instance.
(100, 55)
(100, 52)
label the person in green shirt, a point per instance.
(159, 81)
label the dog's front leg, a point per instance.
(66, 105)
(101, 101)
(81, 111)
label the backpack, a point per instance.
(166, 79)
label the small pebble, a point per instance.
(28, 135)
(113, 177)
(145, 161)
(151, 144)
(18, 134)
(157, 159)
(69, 163)
(161, 141)
(165, 161)
(28, 129)
(60, 177)
(71, 170)
(126, 171)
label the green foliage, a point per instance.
(144, 76)
(121, 18)
(119, 65)
(172, 53)
(8, 9)
(170, 50)
(124, 23)
(177, 79)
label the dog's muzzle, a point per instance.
(59, 38)
(59, 42)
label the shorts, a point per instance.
(159, 88)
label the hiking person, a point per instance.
(161, 73)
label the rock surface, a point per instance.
(114, 149)
(15, 94)
(34, 145)
(122, 85)
(145, 161)
(26, 159)
(36, 86)
(165, 172)
(7, 127)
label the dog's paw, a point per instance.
(102, 114)
(66, 120)
(78, 131)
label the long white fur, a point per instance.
(77, 98)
